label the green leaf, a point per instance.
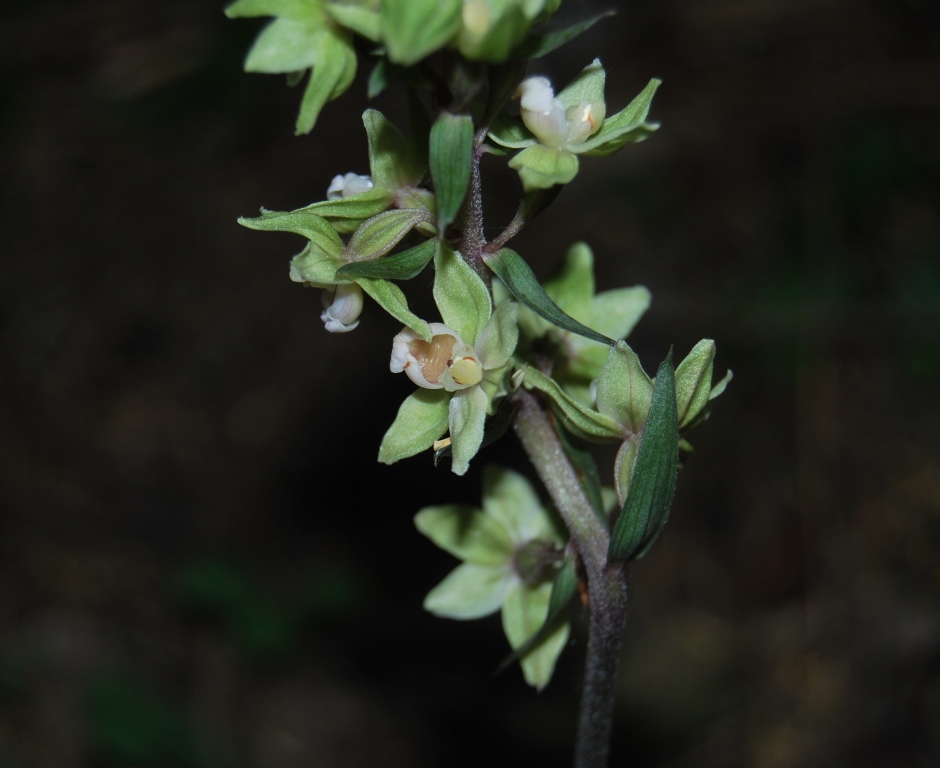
(654, 474)
(586, 88)
(498, 339)
(390, 297)
(524, 612)
(694, 381)
(415, 28)
(537, 46)
(541, 167)
(377, 236)
(563, 589)
(451, 155)
(469, 592)
(360, 206)
(461, 296)
(422, 419)
(624, 391)
(522, 283)
(357, 18)
(509, 132)
(401, 266)
(466, 533)
(305, 223)
(391, 161)
(578, 418)
(466, 419)
(333, 73)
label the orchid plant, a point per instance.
(503, 351)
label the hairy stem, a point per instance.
(472, 241)
(607, 588)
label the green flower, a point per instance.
(461, 369)
(556, 129)
(510, 551)
(614, 313)
(303, 36)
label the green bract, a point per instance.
(555, 129)
(466, 309)
(510, 550)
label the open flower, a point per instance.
(560, 128)
(550, 121)
(510, 550)
(460, 371)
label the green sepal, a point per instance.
(466, 533)
(578, 418)
(451, 156)
(495, 427)
(623, 467)
(653, 483)
(412, 29)
(333, 72)
(511, 133)
(613, 313)
(400, 266)
(624, 390)
(627, 126)
(291, 9)
(390, 297)
(356, 18)
(524, 611)
(305, 223)
(541, 167)
(563, 588)
(346, 213)
(469, 592)
(421, 419)
(499, 337)
(314, 266)
(466, 419)
(694, 381)
(379, 78)
(586, 88)
(510, 267)
(286, 45)
(537, 46)
(379, 235)
(393, 161)
(460, 294)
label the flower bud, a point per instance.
(342, 308)
(446, 362)
(350, 184)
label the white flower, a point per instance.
(342, 308)
(350, 184)
(548, 119)
(446, 362)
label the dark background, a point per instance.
(201, 564)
